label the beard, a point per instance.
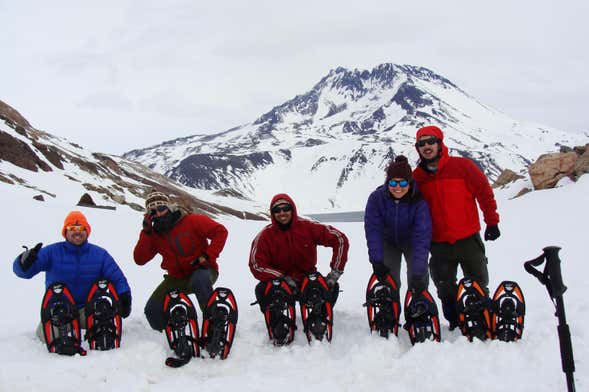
(163, 224)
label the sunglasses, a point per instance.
(160, 208)
(281, 208)
(402, 183)
(431, 141)
(75, 228)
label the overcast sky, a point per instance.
(115, 75)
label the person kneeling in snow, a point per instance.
(77, 264)
(183, 241)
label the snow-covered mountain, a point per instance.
(50, 169)
(329, 147)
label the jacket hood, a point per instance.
(286, 197)
(432, 130)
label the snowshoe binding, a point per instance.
(59, 317)
(104, 324)
(278, 306)
(219, 323)
(383, 306)
(181, 328)
(316, 307)
(473, 307)
(421, 317)
(509, 308)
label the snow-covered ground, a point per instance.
(353, 361)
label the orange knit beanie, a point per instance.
(75, 218)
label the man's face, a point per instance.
(428, 147)
(76, 234)
(282, 213)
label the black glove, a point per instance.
(492, 233)
(418, 283)
(148, 223)
(291, 283)
(125, 299)
(332, 277)
(28, 257)
(380, 270)
(201, 260)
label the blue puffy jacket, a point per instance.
(405, 222)
(76, 266)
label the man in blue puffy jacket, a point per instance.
(76, 263)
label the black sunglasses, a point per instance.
(160, 208)
(431, 141)
(281, 208)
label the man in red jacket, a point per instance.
(453, 186)
(287, 248)
(189, 245)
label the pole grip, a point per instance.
(553, 269)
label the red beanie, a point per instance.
(399, 168)
(430, 130)
(75, 218)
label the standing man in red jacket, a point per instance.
(453, 186)
(287, 248)
(189, 245)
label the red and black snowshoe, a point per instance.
(104, 324)
(59, 317)
(473, 308)
(383, 306)
(181, 328)
(421, 317)
(316, 307)
(278, 305)
(219, 323)
(509, 308)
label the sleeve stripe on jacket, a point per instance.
(255, 264)
(340, 248)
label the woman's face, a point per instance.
(398, 187)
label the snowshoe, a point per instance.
(316, 307)
(219, 323)
(383, 306)
(278, 305)
(473, 307)
(509, 308)
(421, 317)
(59, 317)
(181, 328)
(103, 316)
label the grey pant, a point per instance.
(392, 259)
(81, 320)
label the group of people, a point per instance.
(415, 213)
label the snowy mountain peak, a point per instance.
(337, 138)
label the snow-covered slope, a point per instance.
(337, 138)
(354, 360)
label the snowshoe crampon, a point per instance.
(279, 312)
(509, 308)
(181, 328)
(59, 317)
(103, 316)
(316, 307)
(473, 307)
(383, 306)
(219, 323)
(421, 317)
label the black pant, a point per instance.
(469, 253)
(392, 259)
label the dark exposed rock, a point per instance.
(507, 176)
(39, 198)
(86, 200)
(20, 154)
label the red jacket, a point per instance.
(452, 193)
(276, 252)
(184, 243)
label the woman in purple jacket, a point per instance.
(397, 223)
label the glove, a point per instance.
(332, 277)
(148, 223)
(291, 283)
(492, 233)
(125, 299)
(29, 256)
(201, 260)
(418, 283)
(380, 270)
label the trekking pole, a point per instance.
(552, 279)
